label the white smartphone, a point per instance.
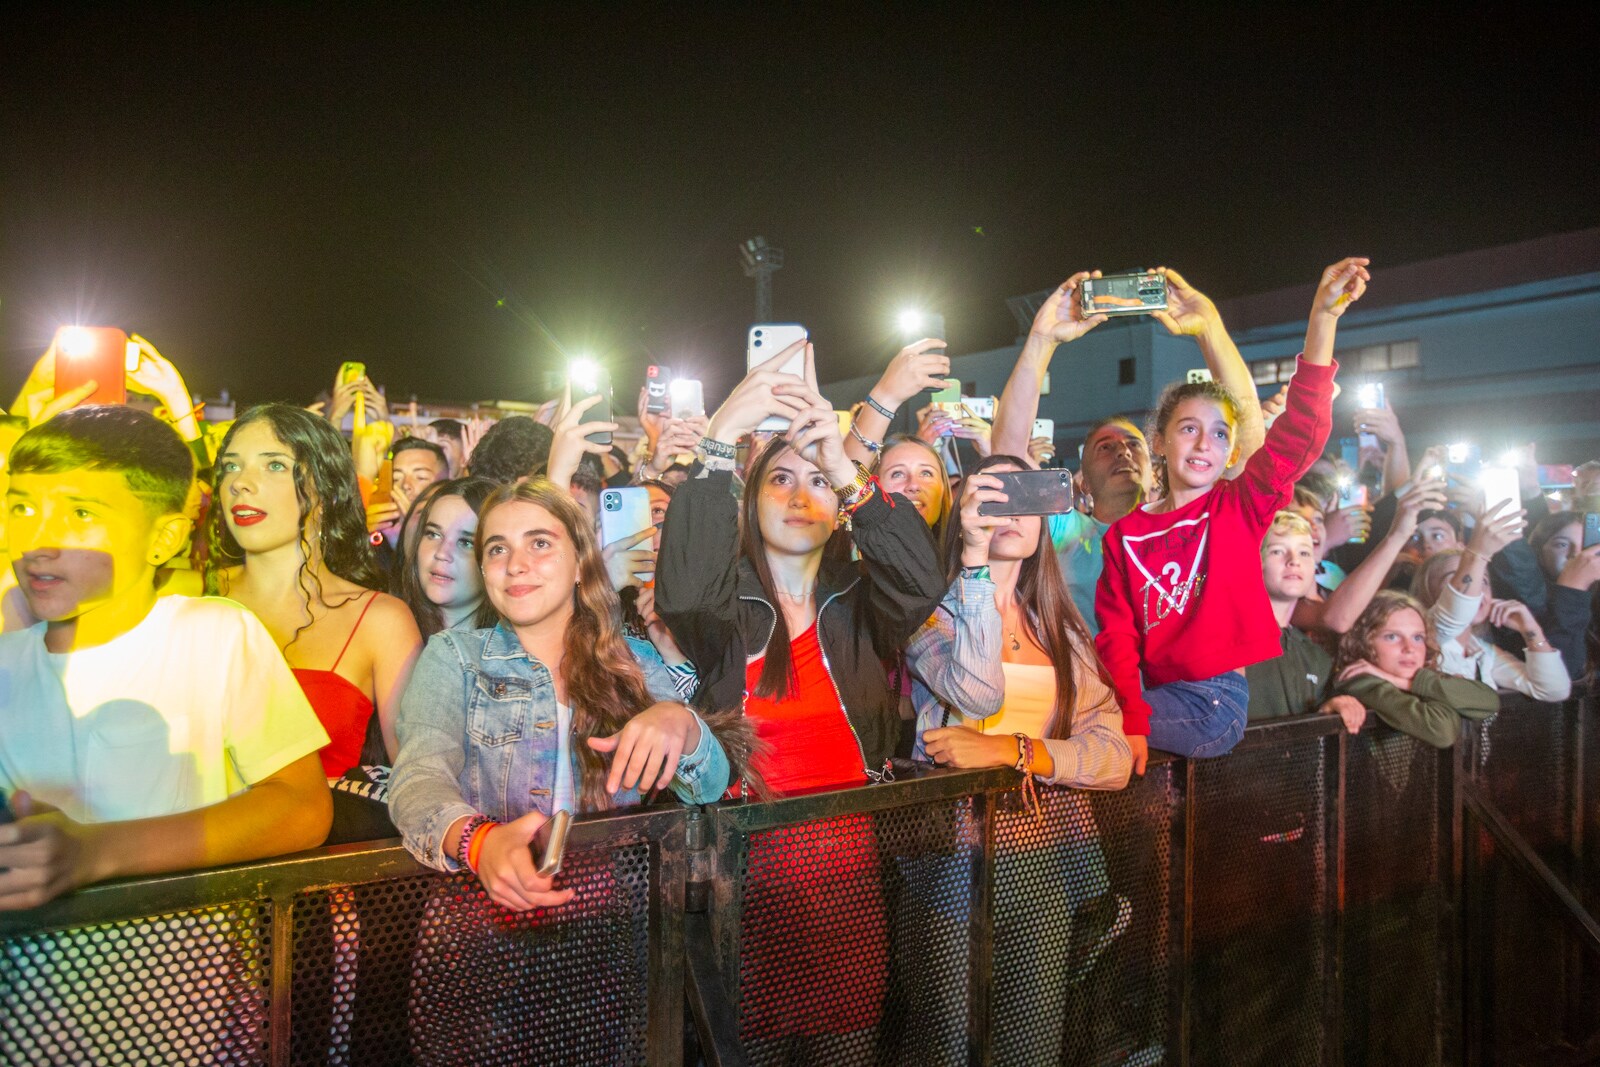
(1500, 485)
(1044, 428)
(688, 398)
(1198, 375)
(766, 340)
(623, 513)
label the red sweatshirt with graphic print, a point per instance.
(1181, 597)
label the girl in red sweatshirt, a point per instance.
(1181, 603)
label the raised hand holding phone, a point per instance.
(977, 527)
(1061, 318)
(756, 397)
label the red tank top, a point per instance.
(810, 743)
(342, 708)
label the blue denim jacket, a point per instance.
(477, 734)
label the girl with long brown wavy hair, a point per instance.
(550, 709)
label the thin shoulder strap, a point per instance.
(353, 630)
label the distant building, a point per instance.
(1497, 346)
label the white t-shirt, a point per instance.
(188, 708)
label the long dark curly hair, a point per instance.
(325, 485)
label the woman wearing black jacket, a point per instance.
(746, 592)
(797, 636)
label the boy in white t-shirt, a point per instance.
(137, 735)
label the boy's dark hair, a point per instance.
(447, 428)
(512, 448)
(586, 477)
(1449, 518)
(148, 453)
(417, 444)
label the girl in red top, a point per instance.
(1181, 603)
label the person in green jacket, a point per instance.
(1389, 662)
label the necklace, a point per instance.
(1016, 646)
(802, 597)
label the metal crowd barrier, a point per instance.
(1312, 898)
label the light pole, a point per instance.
(759, 261)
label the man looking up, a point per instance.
(137, 735)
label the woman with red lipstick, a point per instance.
(288, 540)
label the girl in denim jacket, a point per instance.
(501, 727)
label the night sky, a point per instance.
(457, 200)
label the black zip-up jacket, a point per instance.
(712, 601)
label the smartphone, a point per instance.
(383, 484)
(688, 398)
(623, 513)
(1045, 428)
(952, 458)
(6, 814)
(1463, 461)
(766, 340)
(1353, 494)
(1138, 293)
(550, 843)
(587, 379)
(979, 407)
(657, 386)
(950, 394)
(100, 354)
(1591, 529)
(1369, 395)
(1198, 375)
(1500, 485)
(1046, 492)
(845, 420)
(351, 371)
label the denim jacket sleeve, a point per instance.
(703, 774)
(424, 792)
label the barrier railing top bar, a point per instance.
(283, 876)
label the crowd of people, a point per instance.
(227, 643)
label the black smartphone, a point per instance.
(1591, 529)
(1136, 293)
(1046, 492)
(6, 814)
(550, 843)
(587, 379)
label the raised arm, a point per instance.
(1190, 313)
(1345, 604)
(914, 369)
(1060, 320)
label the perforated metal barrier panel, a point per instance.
(184, 987)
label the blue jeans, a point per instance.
(1199, 719)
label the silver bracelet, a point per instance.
(871, 446)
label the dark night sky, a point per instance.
(263, 195)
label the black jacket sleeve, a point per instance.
(1565, 620)
(1514, 574)
(904, 580)
(697, 571)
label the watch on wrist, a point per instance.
(854, 486)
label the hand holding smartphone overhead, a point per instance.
(1500, 485)
(587, 378)
(688, 399)
(763, 342)
(1591, 529)
(98, 354)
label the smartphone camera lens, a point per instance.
(613, 504)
